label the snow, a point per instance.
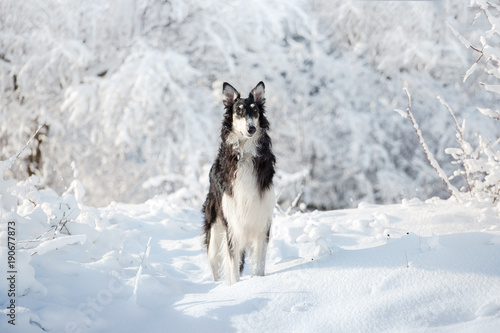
(416, 266)
(57, 243)
(127, 102)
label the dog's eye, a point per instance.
(255, 110)
(239, 108)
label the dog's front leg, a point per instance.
(235, 268)
(233, 261)
(259, 254)
(214, 249)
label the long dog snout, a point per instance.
(251, 130)
(251, 126)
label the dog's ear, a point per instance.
(229, 94)
(258, 93)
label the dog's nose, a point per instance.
(252, 130)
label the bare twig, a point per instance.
(139, 270)
(2, 57)
(460, 137)
(439, 188)
(295, 201)
(452, 189)
(486, 15)
(8, 163)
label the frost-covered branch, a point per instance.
(6, 165)
(464, 146)
(430, 157)
(482, 165)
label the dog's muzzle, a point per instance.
(252, 130)
(251, 127)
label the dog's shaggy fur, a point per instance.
(239, 205)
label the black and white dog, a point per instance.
(239, 205)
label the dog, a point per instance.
(239, 206)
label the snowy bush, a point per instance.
(479, 165)
(25, 202)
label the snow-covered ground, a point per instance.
(417, 266)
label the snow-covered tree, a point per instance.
(130, 91)
(480, 165)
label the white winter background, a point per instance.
(110, 114)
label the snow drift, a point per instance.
(415, 266)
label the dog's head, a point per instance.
(244, 113)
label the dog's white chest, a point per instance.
(247, 211)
